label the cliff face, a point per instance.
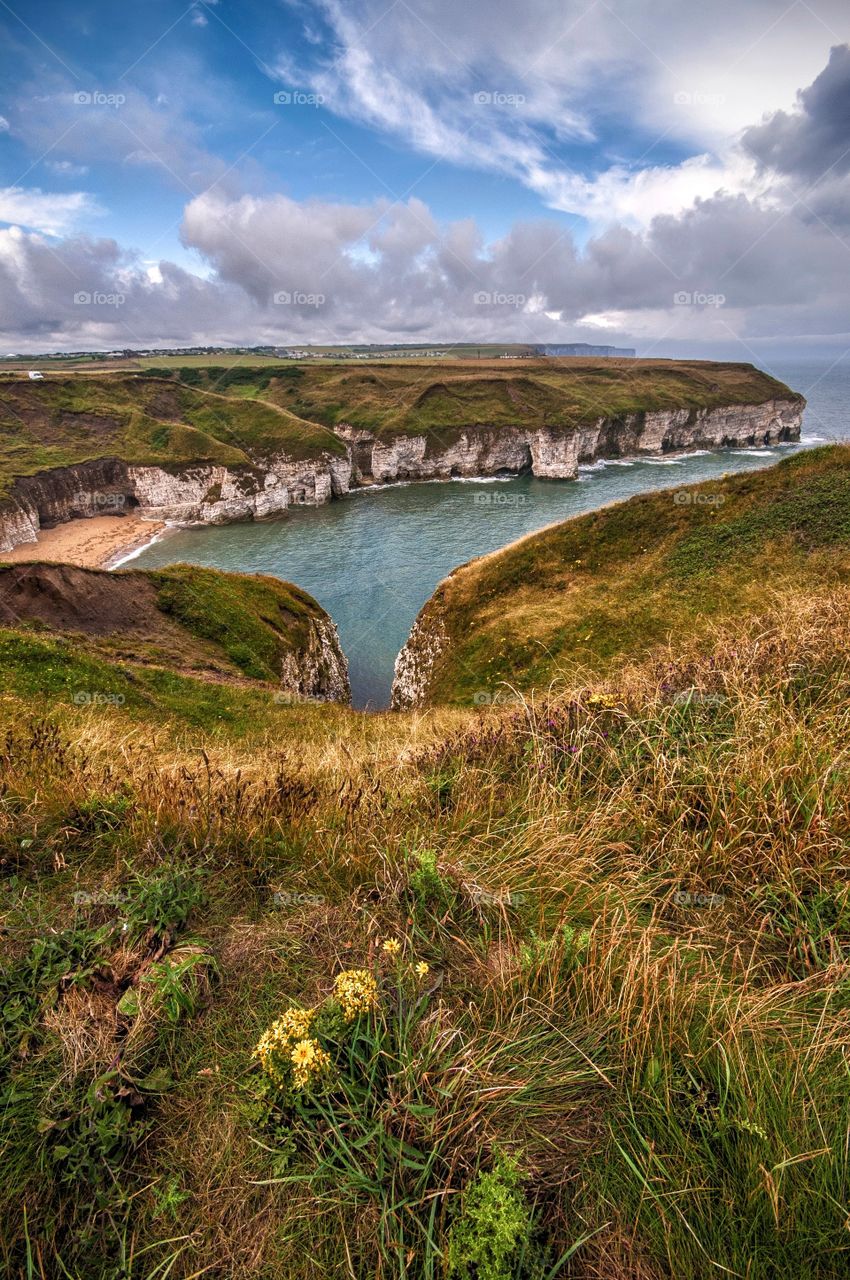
(319, 671)
(555, 453)
(194, 494)
(415, 664)
(215, 494)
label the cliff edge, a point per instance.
(580, 596)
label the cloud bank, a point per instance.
(763, 257)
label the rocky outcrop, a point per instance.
(136, 609)
(187, 495)
(211, 494)
(413, 667)
(319, 671)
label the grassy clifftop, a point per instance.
(409, 397)
(239, 416)
(87, 629)
(65, 420)
(585, 594)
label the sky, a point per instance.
(663, 174)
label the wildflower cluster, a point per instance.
(356, 992)
(601, 701)
(288, 1055)
(291, 1052)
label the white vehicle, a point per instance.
(35, 375)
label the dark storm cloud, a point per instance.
(814, 140)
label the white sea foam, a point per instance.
(144, 546)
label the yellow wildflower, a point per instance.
(356, 991)
(275, 1044)
(309, 1060)
(422, 969)
(392, 946)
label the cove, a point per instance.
(373, 558)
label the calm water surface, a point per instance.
(373, 559)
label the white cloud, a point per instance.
(66, 168)
(556, 71)
(54, 214)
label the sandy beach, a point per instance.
(94, 543)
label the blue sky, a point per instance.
(595, 160)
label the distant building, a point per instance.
(583, 349)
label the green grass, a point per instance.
(254, 619)
(440, 400)
(590, 592)
(182, 618)
(67, 420)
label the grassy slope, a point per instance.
(584, 594)
(635, 914)
(185, 617)
(441, 398)
(64, 420)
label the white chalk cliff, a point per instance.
(214, 494)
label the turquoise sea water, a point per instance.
(374, 558)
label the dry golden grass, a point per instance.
(670, 1070)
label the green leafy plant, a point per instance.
(428, 886)
(492, 1237)
(164, 902)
